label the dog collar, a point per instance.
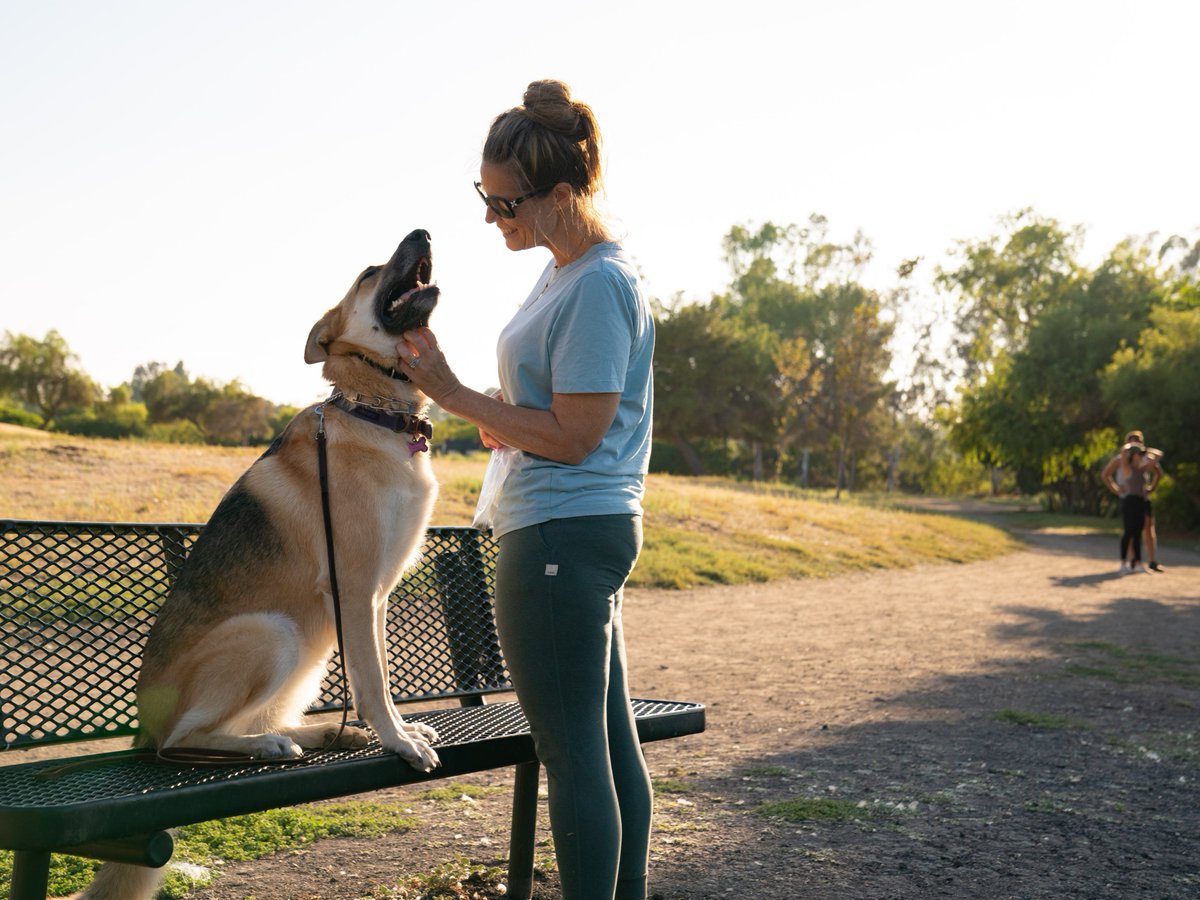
(419, 428)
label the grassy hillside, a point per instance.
(698, 531)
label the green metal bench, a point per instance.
(76, 603)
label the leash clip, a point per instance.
(321, 422)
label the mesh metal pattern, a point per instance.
(78, 599)
(57, 804)
(126, 775)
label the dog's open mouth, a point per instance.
(405, 296)
(424, 272)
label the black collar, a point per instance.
(419, 427)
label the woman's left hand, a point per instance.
(426, 366)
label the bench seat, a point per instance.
(122, 793)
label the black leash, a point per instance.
(323, 474)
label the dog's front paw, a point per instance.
(419, 731)
(415, 751)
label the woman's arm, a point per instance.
(1107, 475)
(1153, 472)
(567, 432)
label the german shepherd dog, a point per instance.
(240, 646)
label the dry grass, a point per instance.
(62, 477)
(698, 531)
(702, 531)
(56, 476)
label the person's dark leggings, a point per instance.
(558, 613)
(1133, 516)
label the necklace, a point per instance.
(549, 281)
(558, 271)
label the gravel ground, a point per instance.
(1025, 727)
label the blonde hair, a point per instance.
(551, 139)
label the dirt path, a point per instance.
(882, 692)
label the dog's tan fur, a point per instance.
(240, 646)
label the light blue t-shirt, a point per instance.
(586, 328)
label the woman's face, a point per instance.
(535, 217)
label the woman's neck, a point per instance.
(573, 244)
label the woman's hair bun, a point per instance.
(548, 103)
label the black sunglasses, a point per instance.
(507, 209)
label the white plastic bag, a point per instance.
(497, 471)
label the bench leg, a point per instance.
(524, 830)
(31, 874)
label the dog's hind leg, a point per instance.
(327, 736)
(296, 697)
(234, 688)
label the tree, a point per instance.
(712, 379)
(827, 333)
(235, 416)
(44, 375)
(1038, 408)
(798, 382)
(223, 414)
(1003, 283)
(170, 395)
(850, 347)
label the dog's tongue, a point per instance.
(406, 296)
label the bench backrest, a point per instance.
(78, 599)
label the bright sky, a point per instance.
(200, 181)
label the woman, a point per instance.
(1125, 476)
(576, 393)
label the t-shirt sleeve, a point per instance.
(591, 338)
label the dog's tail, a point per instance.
(119, 881)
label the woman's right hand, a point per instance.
(490, 440)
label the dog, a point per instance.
(241, 644)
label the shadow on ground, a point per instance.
(1066, 764)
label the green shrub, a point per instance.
(1177, 499)
(107, 421)
(16, 415)
(176, 432)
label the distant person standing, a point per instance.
(1152, 470)
(1125, 476)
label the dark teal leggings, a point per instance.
(558, 612)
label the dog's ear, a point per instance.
(321, 336)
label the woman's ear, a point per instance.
(562, 194)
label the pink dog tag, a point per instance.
(417, 446)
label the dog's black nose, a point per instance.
(420, 234)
